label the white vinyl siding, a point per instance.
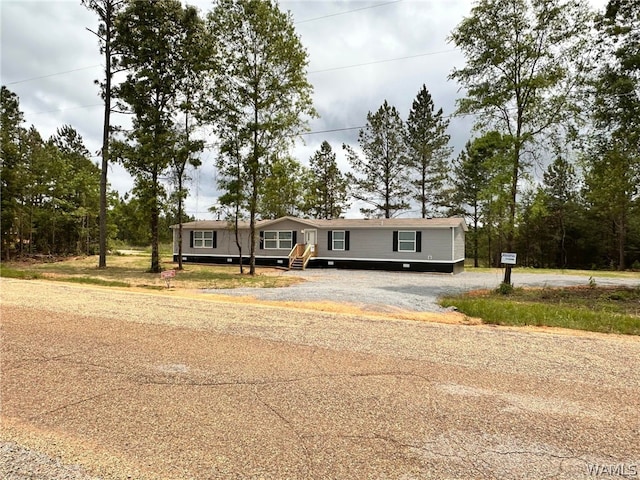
(278, 240)
(202, 239)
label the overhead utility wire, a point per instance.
(315, 71)
(53, 74)
(333, 130)
(301, 21)
(383, 61)
(346, 12)
(66, 108)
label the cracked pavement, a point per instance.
(110, 384)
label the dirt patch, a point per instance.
(449, 317)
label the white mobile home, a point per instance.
(416, 244)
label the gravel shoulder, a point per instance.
(110, 384)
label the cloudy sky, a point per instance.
(360, 52)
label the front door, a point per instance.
(311, 238)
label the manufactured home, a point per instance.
(414, 244)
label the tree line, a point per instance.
(50, 197)
(551, 172)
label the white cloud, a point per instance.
(44, 38)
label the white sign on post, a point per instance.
(508, 258)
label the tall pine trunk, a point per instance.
(155, 216)
(102, 261)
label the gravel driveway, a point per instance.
(403, 290)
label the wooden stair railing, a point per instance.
(299, 256)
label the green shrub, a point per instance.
(505, 289)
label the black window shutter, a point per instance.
(191, 239)
(215, 239)
(418, 241)
(346, 240)
(330, 242)
(295, 237)
(395, 240)
(261, 240)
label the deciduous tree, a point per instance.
(613, 156)
(524, 62)
(282, 189)
(261, 95)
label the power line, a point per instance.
(383, 61)
(315, 71)
(53, 74)
(65, 109)
(333, 130)
(301, 21)
(355, 65)
(346, 12)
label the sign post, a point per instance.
(167, 275)
(508, 259)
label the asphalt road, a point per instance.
(115, 384)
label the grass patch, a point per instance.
(90, 281)
(499, 272)
(8, 272)
(132, 271)
(596, 309)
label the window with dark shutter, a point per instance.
(395, 240)
(191, 239)
(406, 241)
(346, 240)
(418, 241)
(330, 240)
(338, 240)
(215, 240)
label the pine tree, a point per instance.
(560, 192)
(479, 177)
(150, 36)
(380, 178)
(107, 11)
(11, 130)
(326, 187)
(428, 150)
